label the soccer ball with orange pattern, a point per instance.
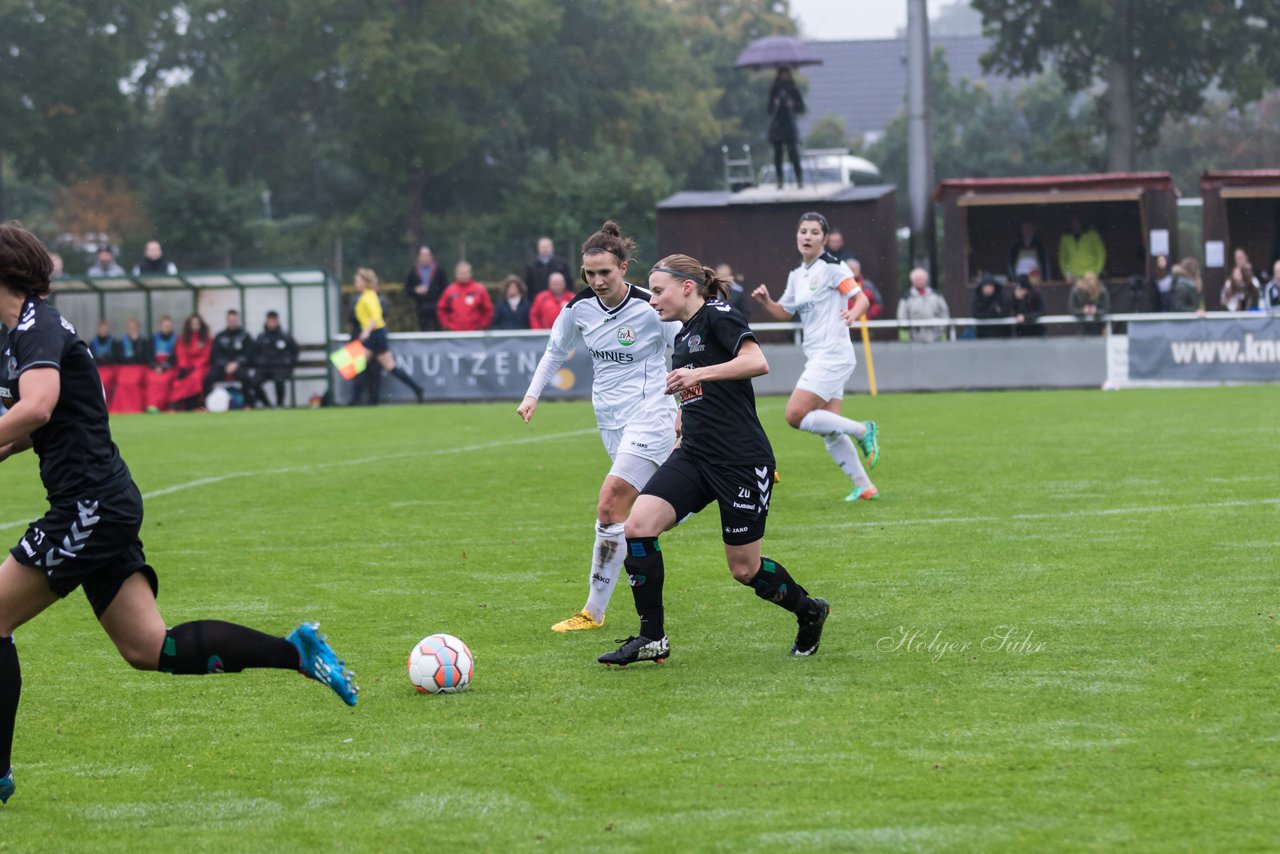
(440, 664)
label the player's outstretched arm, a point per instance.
(527, 407)
(770, 306)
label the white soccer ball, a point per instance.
(440, 664)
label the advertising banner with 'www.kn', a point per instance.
(1244, 349)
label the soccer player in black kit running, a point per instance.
(89, 537)
(724, 457)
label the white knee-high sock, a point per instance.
(841, 449)
(606, 563)
(822, 422)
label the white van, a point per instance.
(826, 166)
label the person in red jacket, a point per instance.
(547, 304)
(193, 352)
(465, 305)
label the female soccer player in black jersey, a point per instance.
(724, 457)
(89, 538)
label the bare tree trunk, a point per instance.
(1122, 82)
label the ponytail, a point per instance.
(710, 284)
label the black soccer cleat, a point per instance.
(635, 649)
(810, 633)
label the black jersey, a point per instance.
(718, 419)
(77, 456)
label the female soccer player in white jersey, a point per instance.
(819, 291)
(628, 347)
(724, 457)
(89, 537)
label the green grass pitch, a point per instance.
(1127, 543)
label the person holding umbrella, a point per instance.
(785, 103)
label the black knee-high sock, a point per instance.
(10, 688)
(402, 375)
(644, 568)
(212, 646)
(775, 584)
(374, 380)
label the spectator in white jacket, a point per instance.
(923, 303)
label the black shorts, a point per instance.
(742, 492)
(90, 542)
(377, 341)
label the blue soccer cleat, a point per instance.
(318, 660)
(6, 787)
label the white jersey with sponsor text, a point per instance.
(817, 293)
(628, 348)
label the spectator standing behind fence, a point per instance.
(1026, 308)
(275, 354)
(1240, 290)
(154, 263)
(1089, 299)
(537, 276)
(164, 365)
(875, 302)
(231, 359)
(424, 284)
(738, 297)
(105, 265)
(836, 247)
(1027, 255)
(548, 304)
(58, 271)
(923, 303)
(785, 103)
(1081, 251)
(193, 353)
(512, 311)
(465, 305)
(134, 354)
(989, 303)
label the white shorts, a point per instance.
(826, 380)
(638, 449)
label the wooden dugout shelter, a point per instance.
(982, 217)
(1241, 210)
(754, 231)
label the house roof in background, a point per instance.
(865, 82)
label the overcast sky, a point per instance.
(829, 20)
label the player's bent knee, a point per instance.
(743, 573)
(140, 656)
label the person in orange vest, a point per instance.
(465, 305)
(547, 304)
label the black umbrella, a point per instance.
(777, 52)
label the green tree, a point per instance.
(1152, 58)
(63, 110)
(828, 132)
(978, 135)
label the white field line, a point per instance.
(437, 452)
(1065, 514)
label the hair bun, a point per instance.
(611, 228)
